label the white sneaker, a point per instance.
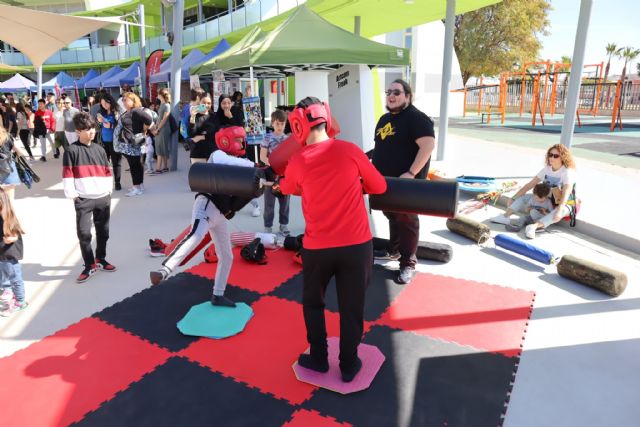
(256, 211)
(284, 230)
(501, 219)
(530, 231)
(268, 230)
(134, 192)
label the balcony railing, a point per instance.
(249, 14)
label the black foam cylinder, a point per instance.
(417, 196)
(225, 179)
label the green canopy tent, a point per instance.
(305, 41)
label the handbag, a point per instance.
(26, 174)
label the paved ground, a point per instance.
(580, 364)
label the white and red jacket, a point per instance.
(86, 172)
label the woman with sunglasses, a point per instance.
(559, 173)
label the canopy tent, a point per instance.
(96, 82)
(41, 34)
(306, 41)
(91, 74)
(62, 79)
(164, 74)
(127, 76)
(252, 36)
(16, 83)
(220, 48)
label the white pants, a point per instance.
(205, 216)
(148, 158)
(520, 203)
(71, 137)
(43, 143)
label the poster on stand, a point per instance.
(253, 120)
(194, 82)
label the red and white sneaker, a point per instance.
(86, 273)
(103, 265)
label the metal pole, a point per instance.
(143, 53)
(356, 25)
(569, 122)
(443, 122)
(176, 75)
(40, 82)
(200, 14)
(253, 92)
(230, 7)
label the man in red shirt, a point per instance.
(44, 127)
(331, 176)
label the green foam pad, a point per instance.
(207, 320)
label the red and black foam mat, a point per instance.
(257, 278)
(183, 393)
(304, 418)
(153, 313)
(263, 353)
(381, 292)
(424, 382)
(484, 316)
(57, 380)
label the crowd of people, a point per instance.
(329, 174)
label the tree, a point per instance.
(490, 40)
(565, 59)
(628, 54)
(611, 49)
(638, 68)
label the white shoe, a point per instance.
(134, 192)
(501, 219)
(256, 211)
(530, 231)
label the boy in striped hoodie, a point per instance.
(88, 180)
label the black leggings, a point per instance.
(351, 266)
(24, 137)
(135, 166)
(115, 158)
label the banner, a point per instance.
(253, 119)
(153, 66)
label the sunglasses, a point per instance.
(395, 92)
(555, 156)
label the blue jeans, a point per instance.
(269, 208)
(11, 274)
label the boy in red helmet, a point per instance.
(211, 212)
(331, 176)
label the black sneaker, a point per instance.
(384, 254)
(406, 275)
(309, 362)
(104, 265)
(43, 159)
(349, 374)
(222, 301)
(118, 186)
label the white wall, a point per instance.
(311, 83)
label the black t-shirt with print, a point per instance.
(395, 141)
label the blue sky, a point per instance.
(612, 21)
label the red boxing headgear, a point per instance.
(227, 140)
(302, 120)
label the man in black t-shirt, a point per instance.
(404, 140)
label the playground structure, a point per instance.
(540, 88)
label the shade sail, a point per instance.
(62, 79)
(91, 74)
(16, 83)
(307, 41)
(165, 68)
(96, 82)
(126, 76)
(41, 34)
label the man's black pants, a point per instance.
(100, 209)
(351, 266)
(404, 232)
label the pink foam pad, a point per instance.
(372, 360)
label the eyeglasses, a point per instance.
(395, 92)
(555, 156)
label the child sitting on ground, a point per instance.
(270, 142)
(538, 205)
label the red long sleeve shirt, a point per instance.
(330, 177)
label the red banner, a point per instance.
(153, 66)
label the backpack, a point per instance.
(173, 124)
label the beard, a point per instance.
(396, 110)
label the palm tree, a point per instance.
(611, 49)
(629, 54)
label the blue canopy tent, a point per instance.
(127, 76)
(91, 74)
(96, 82)
(17, 83)
(220, 48)
(164, 74)
(62, 79)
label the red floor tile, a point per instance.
(56, 381)
(470, 313)
(258, 278)
(304, 418)
(263, 354)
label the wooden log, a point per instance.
(605, 279)
(469, 228)
(426, 250)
